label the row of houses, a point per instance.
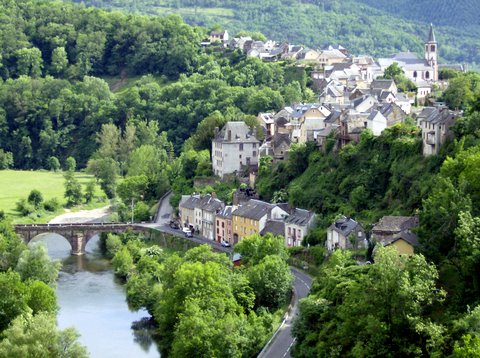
(212, 219)
(346, 233)
(235, 148)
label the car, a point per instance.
(174, 225)
(187, 232)
(225, 243)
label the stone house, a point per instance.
(297, 226)
(393, 113)
(384, 85)
(345, 233)
(435, 124)
(219, 36)
(234, 148)
(389, 226)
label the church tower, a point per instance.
(431, 54)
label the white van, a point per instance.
(187, 232)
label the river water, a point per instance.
(93, 301)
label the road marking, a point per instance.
(302, 281)
(290, 346)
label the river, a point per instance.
(93, 301)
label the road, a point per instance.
(177, 232)
(165, 210)
(281, 343)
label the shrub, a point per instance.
(35, 198)
(52, 205)
(24, 207)
(53, 164)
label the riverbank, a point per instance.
(83, 216)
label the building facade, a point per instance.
(234, 148)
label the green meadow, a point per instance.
(17, 184)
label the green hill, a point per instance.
(363, 26)
(461, 14)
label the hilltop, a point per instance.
(363, 26)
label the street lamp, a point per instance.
(133, 205)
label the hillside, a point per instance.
(363, 26)
(461, 14)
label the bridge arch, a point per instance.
(42, 235)
(77, 234)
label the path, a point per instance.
(83, 216)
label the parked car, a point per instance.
(187, 232)
(225, 243)
(174, 225)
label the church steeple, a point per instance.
(431, 55)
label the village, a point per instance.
(353, 96)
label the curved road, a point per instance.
(281, 343)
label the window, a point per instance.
(427, 75)
(240, 147)
(223, 224)
(254, 145)
(254, 154)
(432, 48)
(415, 74)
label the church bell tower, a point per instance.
(431, 54)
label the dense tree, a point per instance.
(35, 264)
(73, 189)
(13, 298)
(37, 336)
(346, 299)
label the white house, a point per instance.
(234, 148)
(345, 233)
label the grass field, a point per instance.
(16, 184)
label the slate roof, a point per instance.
(280, 138)
(254, 209)
(226, 212)
(333, 117)
(209, 203)
(436, 115)
(191, 202)
(396, 223)
(275, 227)
(240, 133)
(382, 84)
(344, 226)
(405, 235)
(299, 217)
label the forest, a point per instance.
(155, 134)
(362, 26)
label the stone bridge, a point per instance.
(77, 235)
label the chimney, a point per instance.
(216, 131)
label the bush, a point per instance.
(52, 205)
(53, 164)
(113, 245)
(35, 198)
(24, 207)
